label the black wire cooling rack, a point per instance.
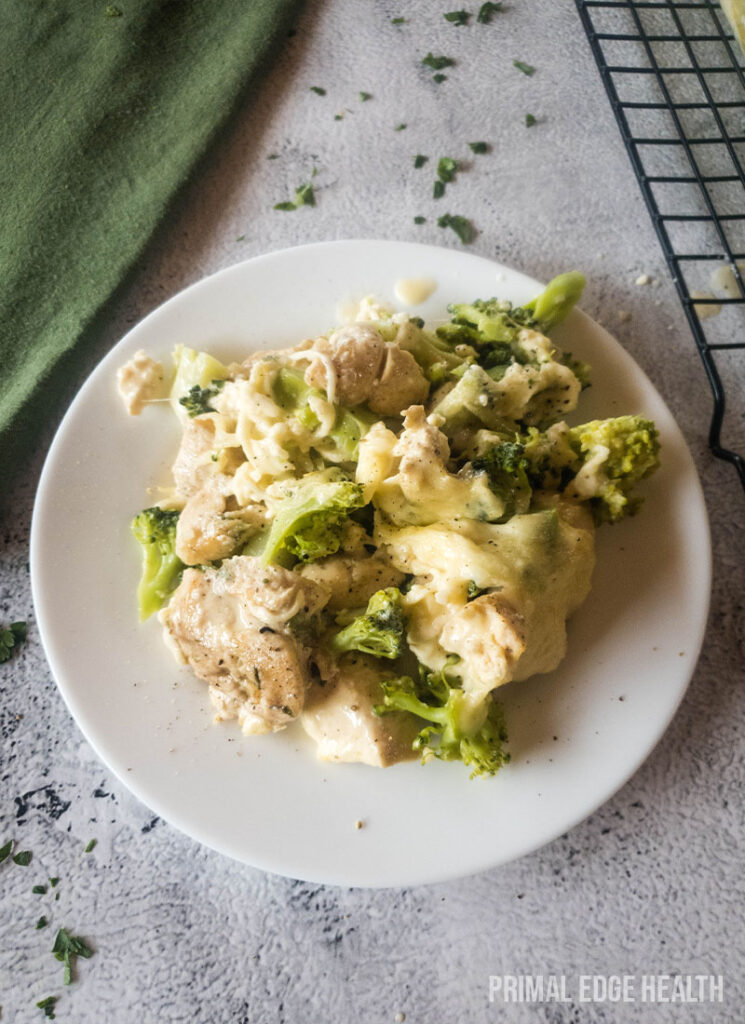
(676, 82)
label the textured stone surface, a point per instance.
(653, 882)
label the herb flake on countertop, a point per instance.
(439, 77)
(457, 17)
(420, 160)
(437, 63)
(460, 225)
(438, 189)
(420, 220)
(66, 948)
(446, 169)
(487, 10)
(304, 196)
(318, 90)
(398, 21)
(478, 147)
(47, 1005)
(365, 96)
(5, 850)
(338, 117)
(11, 638)
(529, 120)
(39, 890)
(53, 882)
(23, 858)
(399, 127)
(91, 845)
(527, 69)
(41, 923)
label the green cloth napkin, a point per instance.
(105, 110)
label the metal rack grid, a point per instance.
(675, 81)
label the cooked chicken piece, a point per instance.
(421, 444)
(489, 635)
(400, 383)
(233, 626)
(193, 465)
(141, 380)
(338, 715)
(352, 581)
(356, 354)
(213, 525)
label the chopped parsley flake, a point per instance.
(365, 96)
(5, 850)
(318, 90)
(241, 238)
(39, 890)
(41, 923)
(462, 227)
(91, 845)
(420, 160)
(437, 63)
(478, 147)
(53, 882)
(439, 77)
(273, 156)
(47, 1005)
(66, 947)
(446, 168)
(420, 220)
(457, 17)
(487, 10)
(23, 858)
(398, 21)
(11, 638)
(338, 117)
(304, 196)
(529, 120)
(527, 69)
(399, 127)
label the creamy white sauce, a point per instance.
(412, 291)
(141, 380)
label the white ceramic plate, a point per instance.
(576, 735)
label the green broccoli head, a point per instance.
(379, 631)
(434, 352)
(197, 400)
(493, 325)
(506, 467)
(616, 454)
(456, 734)
(341, 444)
(155, 529)
(308, 523)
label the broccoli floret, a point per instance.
(505, 466)
(11, 638)
(456, 734)
(434, 353)
(472, 402)
(598, 462)
(379, 631)
(293, 395)
(556, 301)
(493, 325)
(155, 529)
(194, 369)
(197, 400)
(308, 523)
(616, 454)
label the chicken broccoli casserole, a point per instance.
(369, 533)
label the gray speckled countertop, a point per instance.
(651, 883)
